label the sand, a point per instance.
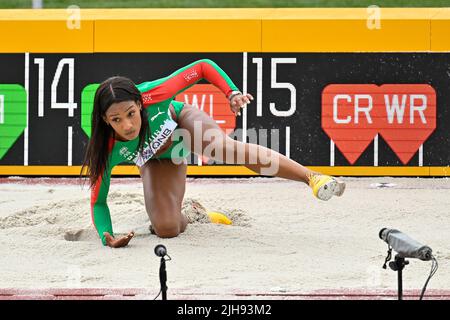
(282, 238)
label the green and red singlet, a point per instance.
(157, 96)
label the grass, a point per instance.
(9, 4)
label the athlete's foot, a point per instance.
(324, 187)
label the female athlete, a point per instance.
(143, 124)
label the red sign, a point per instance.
(210, 99)
(403, 114)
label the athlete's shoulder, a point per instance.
(148, 85)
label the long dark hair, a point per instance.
(112, 90)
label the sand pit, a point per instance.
(282, 239)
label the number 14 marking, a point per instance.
(69, 105)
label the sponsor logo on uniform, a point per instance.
(146, 98)
(191, 75)
(157, 115)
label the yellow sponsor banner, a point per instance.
(440, 171)
(231, 171)
(440, 31)
(45, 31)
(178, 30)
(347, 30)
(225, 30)
(373, 171)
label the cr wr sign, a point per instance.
(403, 114)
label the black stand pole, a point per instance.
(398, 265)
(163, 278)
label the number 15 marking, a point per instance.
(276, 85)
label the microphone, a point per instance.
(160, 250)
(404, 245)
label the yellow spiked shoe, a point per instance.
(324, 187)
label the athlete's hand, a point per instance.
(117, 243)
(240, 101)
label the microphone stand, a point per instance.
(163, 278)
(398, 265)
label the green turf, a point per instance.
(223, 3)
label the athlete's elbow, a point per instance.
(207, 61)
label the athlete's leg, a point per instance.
(253, 156)
(257, 158)
(164, 187)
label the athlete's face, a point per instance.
(125, 118)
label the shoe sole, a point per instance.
(340, 188)
(331, 188)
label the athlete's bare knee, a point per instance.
(167, 230)
(168, 225)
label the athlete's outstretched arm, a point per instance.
(182, 79)
(100, 214)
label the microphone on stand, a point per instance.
(405, 245)
(161, 251)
